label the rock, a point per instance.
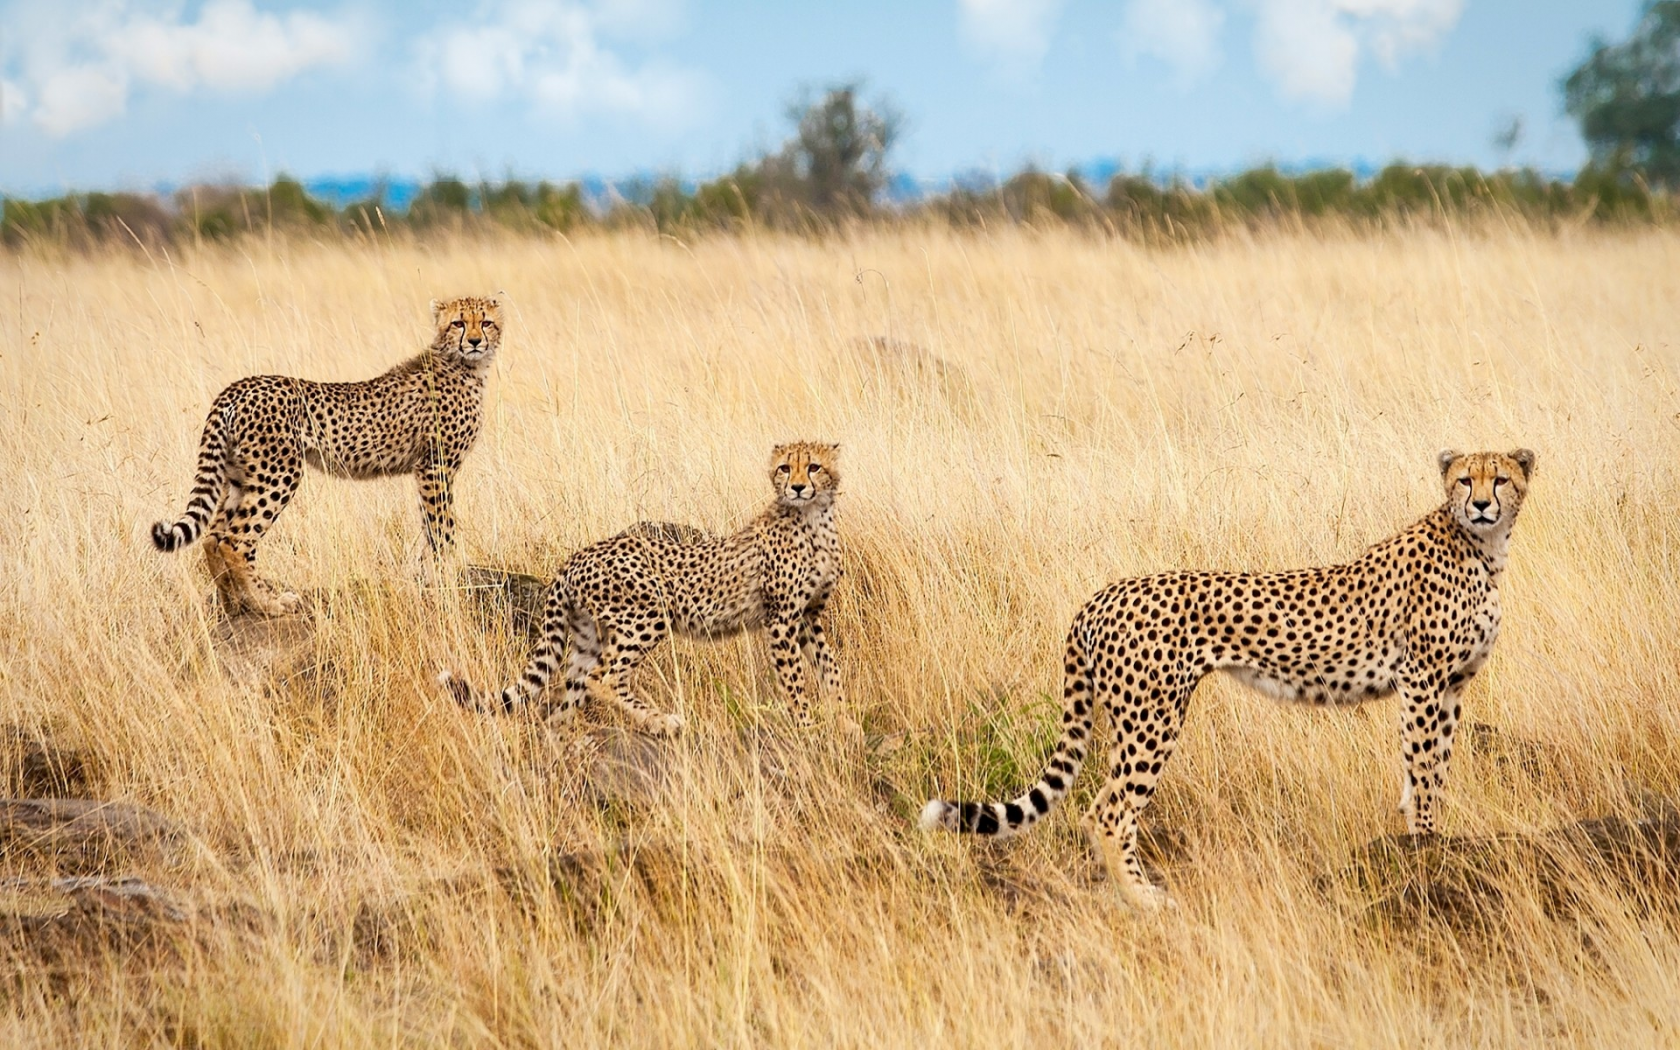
(254, 648)
(38, 767)
(1462, 880)
(515, 598)
(624, 766)
(84, 835)
(62, 920)
(1507, 750)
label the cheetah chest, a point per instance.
(1482, 630)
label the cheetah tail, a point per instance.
(208, 486)
(558, 608)
(1002, 819)
(461, 691)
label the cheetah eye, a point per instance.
(457, 323)
(784, 469)
(1501, 481)
(489, 323)
(1465, 481)
(815, 468)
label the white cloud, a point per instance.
(80, 70)
(1311, 48)
(556, 56)
(79, 97)
(1182, 33)
(13, 101)
(1013, 35)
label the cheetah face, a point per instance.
(1486, 489)
(470, 327)
(803, 473)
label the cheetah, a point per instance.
(1416, 614)
(421, 417)
(615, 601)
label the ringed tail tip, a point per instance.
(457, 687)
(933, 815)
(168, 536)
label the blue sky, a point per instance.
(131, 94)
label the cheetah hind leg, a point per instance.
(240, 588)
(1113, 826)
(583, 666)
(247, 511)
(626, 645)
(1135, 761)
(263, 595)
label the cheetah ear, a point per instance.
(1445, 459)
(1525, 460)
(437, 309)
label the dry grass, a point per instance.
(371, 867)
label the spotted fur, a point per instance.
(1416, 614)
(614, 602)
(421, 417)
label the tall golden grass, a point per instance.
(372, 867)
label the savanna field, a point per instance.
(1024, 417)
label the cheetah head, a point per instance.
(1486, 489)
(469, 327)
(803, 473)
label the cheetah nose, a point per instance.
(1481, 504)
(798, 490)
(475, 339)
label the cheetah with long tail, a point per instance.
(1416, 614)
(419, 418)
(614, 602)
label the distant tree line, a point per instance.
(1138, 206)
(832, 170)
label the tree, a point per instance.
(1626, 97)
(840, 150)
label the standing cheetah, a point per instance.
(421, 417)
(615, 601)
(1417, 613)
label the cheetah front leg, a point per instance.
(1429, 719)
(784, 630)
(813, 643)
(436, 482)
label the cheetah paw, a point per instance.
(1150, 898)
(662, 727)
(285, 603)
(560, 716)
(849, 732)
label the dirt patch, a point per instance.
(84, 836)
(1465, 881)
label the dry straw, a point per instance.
(1024, 418)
